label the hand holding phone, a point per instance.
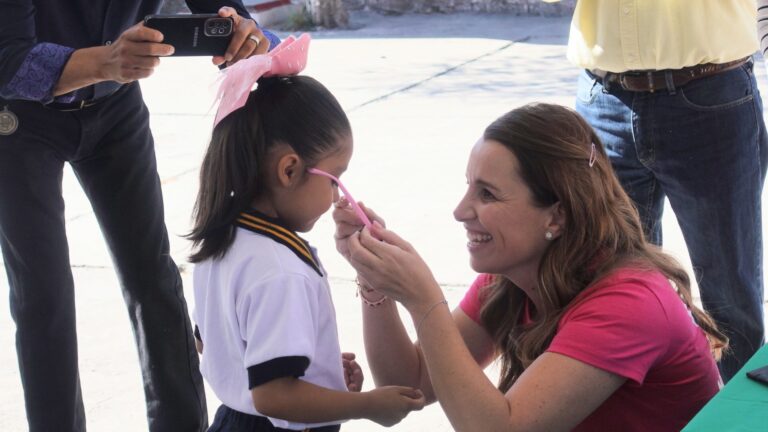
(132, 56)
(247, 41)
(194, 35)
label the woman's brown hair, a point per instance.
(553, 145)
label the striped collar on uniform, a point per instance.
(254, 221)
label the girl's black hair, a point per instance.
(298, 111)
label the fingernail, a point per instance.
(377, 224)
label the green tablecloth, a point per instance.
(742, 405)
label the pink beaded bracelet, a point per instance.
(361, 289)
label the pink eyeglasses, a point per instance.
(355, 206)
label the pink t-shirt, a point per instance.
(633, 324)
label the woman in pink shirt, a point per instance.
(594, 327)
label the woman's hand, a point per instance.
(353, 373)
(391, 266)
(388, 405)
(347, 223)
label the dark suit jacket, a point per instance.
(76, 24)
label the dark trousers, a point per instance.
(110, 149)
(229, 420)
(704, 147)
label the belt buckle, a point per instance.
(78, 105)
(622, 78)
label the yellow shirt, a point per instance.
(621, 35)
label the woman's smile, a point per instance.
(477, 240)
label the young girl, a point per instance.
(263, 306)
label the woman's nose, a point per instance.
(462, 211)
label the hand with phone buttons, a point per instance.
(248, 39)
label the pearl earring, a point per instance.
(548, 235)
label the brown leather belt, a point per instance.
(651, 81)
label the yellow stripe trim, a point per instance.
(278, 228)
(291, 242)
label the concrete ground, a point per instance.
(419, 90)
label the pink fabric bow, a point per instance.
(288, 58)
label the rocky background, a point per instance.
(397, 7)
(517, 7)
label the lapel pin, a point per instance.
(8, 122)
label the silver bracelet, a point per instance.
(429, 311)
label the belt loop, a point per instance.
(606, 81)
(651, 84)
(670, 80)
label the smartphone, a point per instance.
(194, 35)
(759, 375)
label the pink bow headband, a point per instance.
(288, 58)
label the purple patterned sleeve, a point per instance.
(39, 73)
(273, 39)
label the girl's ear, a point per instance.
(557, 220)
(289, 169)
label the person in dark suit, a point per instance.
(69, 94)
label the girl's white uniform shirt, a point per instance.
(263, 312)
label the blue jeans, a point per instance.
(704, 147)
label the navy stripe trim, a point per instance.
(259, 224)
(280, 367)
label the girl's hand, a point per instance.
(347, 223)
(393, 267)
(388, 405)
(353, 374)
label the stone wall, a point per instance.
(397, 7)
(519, 7)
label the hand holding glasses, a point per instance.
(355, 206)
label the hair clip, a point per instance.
(355, 206)
(592, 156)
